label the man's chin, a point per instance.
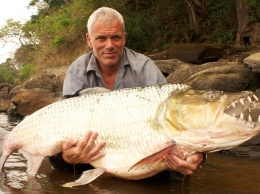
(110, 63)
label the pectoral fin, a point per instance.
(33, 163)
(86, 177)
(153, 159)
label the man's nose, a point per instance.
(109, 43)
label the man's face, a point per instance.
(107, 41)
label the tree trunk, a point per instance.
(196, 13)
(248, 33)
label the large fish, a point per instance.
(139, 125)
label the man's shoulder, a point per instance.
(137, 60)
(135, 55)
(83, 59)
(81, 62)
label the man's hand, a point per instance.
(186, 167)
(83, 151)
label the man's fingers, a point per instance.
(83, 151)
(195, 158)
(171, 161)
(175, 163)
(85, 141)
(98, 147)
(69, 144)
(97, 156)
(94, 152)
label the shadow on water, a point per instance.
(221, 174)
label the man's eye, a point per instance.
(116, 38)
(101, 38)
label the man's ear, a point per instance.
(89, 40)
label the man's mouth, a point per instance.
(112, 54)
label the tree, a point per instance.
(13, 32)
(197, 13)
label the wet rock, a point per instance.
(253, 61)
(16, 89)
(6, 86)
(168, 66)
(159, 56)
(28, 101)
(196, 53)
(5, 96)
(5, 101)
(45, 81)
(224, 76)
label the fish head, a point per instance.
(208, 121)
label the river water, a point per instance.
(222, 173)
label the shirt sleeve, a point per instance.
(71, 85)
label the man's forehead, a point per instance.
(107, 27)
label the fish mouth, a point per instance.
(242, 109)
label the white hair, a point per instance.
(106, 13)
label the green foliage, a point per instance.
(11, 29)
(254, 14)
(147, 22)
(26, 72)
(221, 23)
(144, 33)
(57, 32)
(56, 3)
(224, 37)
(57, 41)
(63, 24)
(7, 74)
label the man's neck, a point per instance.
(109, 75)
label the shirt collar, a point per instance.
(92, 65)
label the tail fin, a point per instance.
(3, 134)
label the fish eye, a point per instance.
(211, 96)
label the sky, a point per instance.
(18, 11)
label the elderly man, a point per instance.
(113, 66)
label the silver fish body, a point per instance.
(139, 126)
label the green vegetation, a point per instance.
(26, 72)
(7, 74)
(56, 35)
(10, 74)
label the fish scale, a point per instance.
(77, 115)
(139, 125)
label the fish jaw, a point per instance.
(208, 121)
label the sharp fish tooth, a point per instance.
(249, 118)
(233, 104)
(255, 97)
(258, 118)
(248, 124)
(241, 115)
(249, 99)
(242, 101)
